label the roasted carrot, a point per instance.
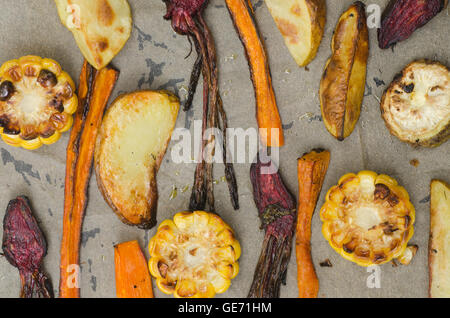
(312, 168)
(132, 276)
(94, 91)
(267, 114)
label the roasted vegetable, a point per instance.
(416, 106)
(131, 144)
(439, 244)
(195, 255)
(311, 168)
(24, 247)
(101, 27)
(368, 218)
(37, 100)
(187, 19)
(302, 23)
(402, 17)
(94, 91)
(269, 122)
(276, 209)
(132, 277)
(343, 81)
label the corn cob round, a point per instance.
(194, 255)
(37, 100)
(368, 218)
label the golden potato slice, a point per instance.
(343, 81)
(301, 22)
(439, 252)
(101, 27)
(131, 144)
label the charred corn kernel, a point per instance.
(368, 219)
(52, 139)
(37, 100)
(165, 287)
(408, 254)
(194, 255)
(235, 270)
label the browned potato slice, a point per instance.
(301, 22)
(100, 27)
(130, 147)
(439, 253)
(343, 81)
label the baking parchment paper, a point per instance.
(154, 58)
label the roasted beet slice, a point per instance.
(402, 17)
(276, 209)
(24, 247)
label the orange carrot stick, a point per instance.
(311, 168)
(94, 91)
(132, 276)
(267, 113)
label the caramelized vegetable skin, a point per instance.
(402, 18)
(344, 78)
(132, 276)
(311, 169)
(267, 114)
(24, 246)
(276, 209)
(131, 145)
(94, 92)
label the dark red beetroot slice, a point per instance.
(24, 247)
(276, 209)
(402, 17)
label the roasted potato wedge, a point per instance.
(439, 244)
(101, 27)
(416, 106)
(131, 144)
(301, 22)
(343, 81)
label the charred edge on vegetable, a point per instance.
(91, 74)
(276, 208)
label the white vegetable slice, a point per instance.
(416, 106)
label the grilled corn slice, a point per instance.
(368, 219)
(37, 100)
(194, 255)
